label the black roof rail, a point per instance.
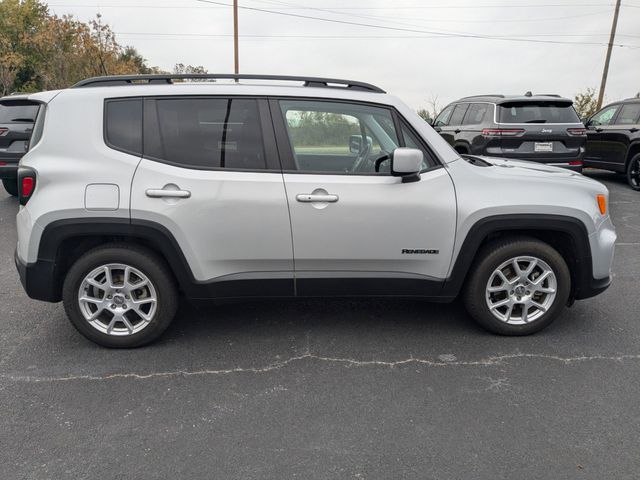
(119, 80)
(548, 95)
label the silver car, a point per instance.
(137, 190)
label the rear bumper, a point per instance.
(38, 279)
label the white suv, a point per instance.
(137, 189)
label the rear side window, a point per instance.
(629, 114)
(478, 113)
(123, 125)
(206, 133)
(18, 113)
(458, 114)
(538, 112)
(38, 128)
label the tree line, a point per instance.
(43, 51)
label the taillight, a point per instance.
(576, 132)
(502, 132)
(576, 163)
(2, 164)
(26, 184)
(3, 131)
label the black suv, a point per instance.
(16, 125)
(613, 140)
(540, 128)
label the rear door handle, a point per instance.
(311, 197)
(166, 193)
(634, 129)
(457, 130)
(599, 130)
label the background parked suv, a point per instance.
(613, 140)
(16, 125)
(540, 128)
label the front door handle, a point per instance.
(457, 130)
(166, 193)
(634, 129)
(316, 197)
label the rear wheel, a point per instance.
(517, 286)
(120, 296)
(11, 186)
(633, 173)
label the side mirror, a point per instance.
(357, 146)
(406, 163)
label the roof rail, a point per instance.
(119, 80)
(547, 95)
(497, 95)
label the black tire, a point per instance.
(146, 262)
(493, 255)
(11, 186)
(633, 173)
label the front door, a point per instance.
(357, 230)
(601, 149)
(211, 176)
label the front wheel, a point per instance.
(518, 286)
(633, 173)
(120, 296)
(11, 186)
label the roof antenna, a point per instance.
(528, 94)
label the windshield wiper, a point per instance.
(21, 120)
(536, 121)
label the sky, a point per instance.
(420, 51)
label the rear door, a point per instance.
(211, 176)
(478, 116)
(357, 230)
(601, 130)
(541, 131)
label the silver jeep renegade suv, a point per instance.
(137, 190)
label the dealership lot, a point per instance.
(327, 389)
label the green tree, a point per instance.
(586, 103)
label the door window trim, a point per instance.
(268, 140)
(285, 148)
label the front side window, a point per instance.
(538, 112)
(443, 118)
(478, 114)
(338, 137)
(629, 114)
(205, 133)
(123, 125)
(604, 116)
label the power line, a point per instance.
(431, 32)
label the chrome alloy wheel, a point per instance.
(521, 290)
(117, 299)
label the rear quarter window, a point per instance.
(123, 125)
(537, 112)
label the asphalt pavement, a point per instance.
(327, 389)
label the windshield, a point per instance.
(18, 113)
(537, 112)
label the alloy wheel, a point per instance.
(521, 290)
(117, 299)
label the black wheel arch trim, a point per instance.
(584, 285)
(42, 280)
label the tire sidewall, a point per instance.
(476, 294)
(145, 262)
(11, 186)
(635, 159)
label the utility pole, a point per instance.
(603, 84)
(236, 61)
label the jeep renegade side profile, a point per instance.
(137, 190)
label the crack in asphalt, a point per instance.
(348, 362)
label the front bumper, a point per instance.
(38, 279)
